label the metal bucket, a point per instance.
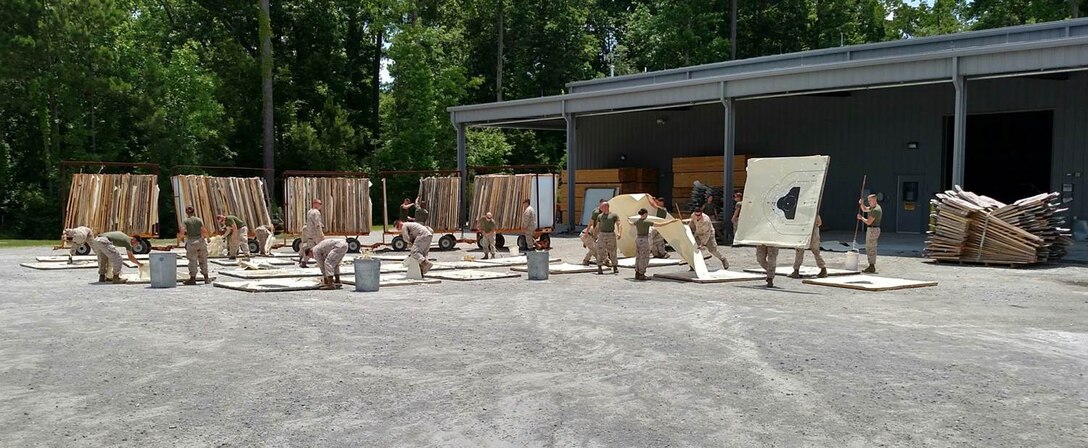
(164, 269)
(367, 275)
(538, 264)
(851, 260)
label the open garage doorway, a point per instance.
(1007, 154)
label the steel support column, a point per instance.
(729, 149)
(462, 167)
(959, 128)
(572, 220)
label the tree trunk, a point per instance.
(268, 136)
(498, 59)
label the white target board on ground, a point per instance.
(781, 200)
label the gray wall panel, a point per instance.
(864, 133)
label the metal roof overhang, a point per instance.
(933, 66)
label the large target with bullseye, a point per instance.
(781, 200)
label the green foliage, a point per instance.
(487, 147)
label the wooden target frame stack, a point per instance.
(114, 202)
(443, 200)
(346, 208)
(501, 194)
(244, 197)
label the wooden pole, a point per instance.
(857, 223)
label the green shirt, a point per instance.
(193, 226)
(403, 216)
(422, 215)
(876, 213)
(119, 239)
(487, 226)
(231, 219)
(608, 221)
(662, 213)
(593, 217)
(711, 208)
(642, 226)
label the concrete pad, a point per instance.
(561, 268)
(512, 261)
(869, 283)
(654, 262)
(388, 280)
(806, 271)
(712, 277)
(469, 275)
(271, 285)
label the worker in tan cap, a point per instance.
(236, 233)
(528, 224)
(642, 243)
(196, 245)
(105, 246)
(419, 236)
(703, 230)
(814, 246)
(487, 226)
(328, 254)
(313, 231)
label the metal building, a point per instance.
(1002, 112)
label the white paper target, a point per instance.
(781, 200)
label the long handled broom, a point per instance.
(852, 255)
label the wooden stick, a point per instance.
(857, 222)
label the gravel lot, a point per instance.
(991, 357)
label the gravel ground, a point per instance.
(991, 358)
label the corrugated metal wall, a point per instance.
(864, 133)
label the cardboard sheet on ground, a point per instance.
(512, 261)
(271, 285)
(258, 261)
(64, 258)
(52, 266)
(711, 277)
(781, 200)
(561, 268)
(805, 271)
(278, 273)
(469, 275)
(654, 262)
(387, 280)
(869, 283)
(135, 279)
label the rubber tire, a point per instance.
(254, 248)
(83, 249)
(142, 246)
(296, 245)
(480, 241)
(399, 244)
(447, 242)
(522, 247)
(500, 241)
(354, 246)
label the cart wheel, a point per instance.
(521, 243)
(500, 241)
(480, 241)
(296, 245)
(398, 244)
(83, 249)
(447, 242)
(546, 240)
(142, 246)
(353, 245)
(254, 248)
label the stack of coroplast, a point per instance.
(978, 229)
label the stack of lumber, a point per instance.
(243, 197)
(978, 229)
(708, 171)
(502, 194)
(624, 180)
(107, 202)
(443, 200)
(346, 208)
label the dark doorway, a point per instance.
(1007, 155)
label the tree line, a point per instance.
(178, 82)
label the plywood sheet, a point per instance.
(654, 262)
(270, 285)
(470, 275)
(561, 268)
(869, 283)
(805, 271)
(512, 261)
(781, 200)
(711, 277)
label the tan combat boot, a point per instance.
(823, 273)
(117, 280)
(190, 282)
